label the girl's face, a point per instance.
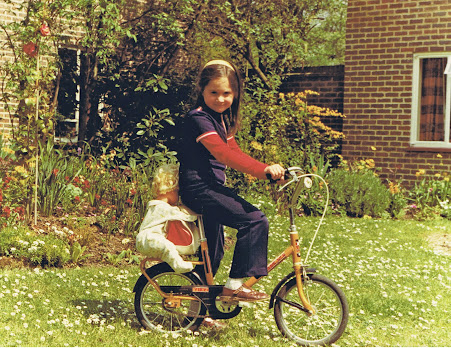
(218, 94)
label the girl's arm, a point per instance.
(276, 171)
(231, 155)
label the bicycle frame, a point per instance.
(292, 250)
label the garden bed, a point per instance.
(99, 244)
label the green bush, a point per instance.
(52, 185)
(358, 193)
(286, 129)
(430, 197)
(45, 250)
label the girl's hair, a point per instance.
(166, 179)
(213, 71)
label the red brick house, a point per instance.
(397, 90)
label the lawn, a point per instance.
(398, 290)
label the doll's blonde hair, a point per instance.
(166, 179)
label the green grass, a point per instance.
(398, 291)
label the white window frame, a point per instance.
(76, 118)
(416, 102)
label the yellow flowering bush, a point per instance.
(285, 129)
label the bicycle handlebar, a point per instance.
(296, 174)
(272, 181)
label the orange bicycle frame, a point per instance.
(293, 249)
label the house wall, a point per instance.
(328, 81)
(382, 36)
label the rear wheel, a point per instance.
(326, 325)
(156, 314)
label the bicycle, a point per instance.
(308, 308)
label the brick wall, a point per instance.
(382, 37)
(328, 81)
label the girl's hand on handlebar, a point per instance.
(275, 172)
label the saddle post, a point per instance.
(204, 251)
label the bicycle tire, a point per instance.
(331, 311)
(149, 304)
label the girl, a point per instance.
(207, 147)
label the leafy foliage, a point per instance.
(358, 193)
(47, 251)
(430, 197)
(287, 130)
(262, 33)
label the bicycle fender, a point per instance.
(285, 280)
(160, 267)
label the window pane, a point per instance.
(432, 108)
(65, 129)
(67, 95)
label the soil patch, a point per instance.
(440, 243)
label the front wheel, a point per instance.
(326, 325)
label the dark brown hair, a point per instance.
(214, 71)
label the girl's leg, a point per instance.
(215, 240)
(221, 205)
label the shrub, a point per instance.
(13, 193)
(358, 193)
(429, 197)
(284, 128)
(51, 183)
(45, 250)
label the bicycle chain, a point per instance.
(167, 309)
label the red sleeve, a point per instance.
(231, 155)
(233, 144)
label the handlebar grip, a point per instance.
(269, 177)
(286, 176)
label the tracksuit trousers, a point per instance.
(220, 206)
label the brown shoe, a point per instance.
(243, 293)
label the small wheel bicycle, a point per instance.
(309, 308)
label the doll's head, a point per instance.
(166, 180)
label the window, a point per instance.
(431, 101)
(66, 129)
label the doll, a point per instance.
(151, 239)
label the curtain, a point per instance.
(432, 117)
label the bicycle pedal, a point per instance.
(226, 300)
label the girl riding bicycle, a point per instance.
(207, 147)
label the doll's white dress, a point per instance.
(151, 239)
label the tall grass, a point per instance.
(397, 287)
